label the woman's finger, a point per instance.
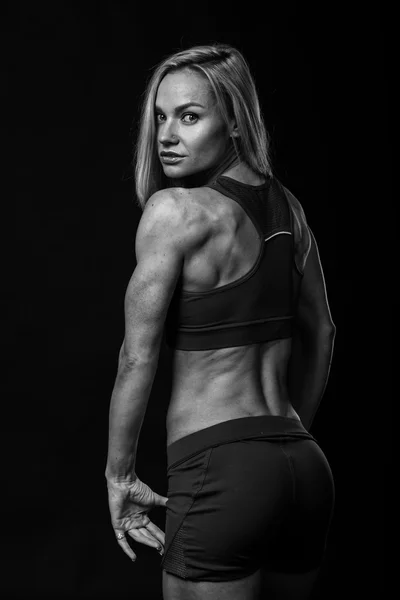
(143, 536)
(123, 542)
(156, 532)
(148, 534)
(160, 500)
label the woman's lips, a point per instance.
(170, 160)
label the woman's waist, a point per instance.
(262, 427)
(189, 413)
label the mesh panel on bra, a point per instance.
(267, 205)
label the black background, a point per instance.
(73, 75)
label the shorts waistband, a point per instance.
(233, 430)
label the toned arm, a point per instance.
(160, 250)
(313, 340)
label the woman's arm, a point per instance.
(159, 252)
(313, 341)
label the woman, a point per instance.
(228, 268)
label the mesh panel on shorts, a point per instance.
(174, 561)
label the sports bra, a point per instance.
(257, 307)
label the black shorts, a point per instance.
(244, 494)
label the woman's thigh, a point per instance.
(289, 586)
(247, 588)
(257, 586)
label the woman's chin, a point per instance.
(185, 177)
(181, 174)
(173, 171)
(173, 174)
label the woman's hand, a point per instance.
(129, 504)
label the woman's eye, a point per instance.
(186, 118)
(191, 118)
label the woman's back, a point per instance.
(214, 385)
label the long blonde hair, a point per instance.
(235, 92)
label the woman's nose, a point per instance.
(167, 134)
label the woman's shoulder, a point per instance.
(179, 208)
(178, 198)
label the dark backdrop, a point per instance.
(73, 77)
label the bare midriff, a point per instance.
(212, 386)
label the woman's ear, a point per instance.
(234, 131)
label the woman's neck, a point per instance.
(229, 162)
(242, 172)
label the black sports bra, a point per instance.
(257, 307)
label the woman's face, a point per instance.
(188, 125)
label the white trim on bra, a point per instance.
(278, 233)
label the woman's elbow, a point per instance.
(315, 325)
(331, 328)
(327, 329)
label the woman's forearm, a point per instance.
(127, 409)
(309, 371)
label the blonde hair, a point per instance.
(236, 96)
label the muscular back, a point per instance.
(215, 385)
